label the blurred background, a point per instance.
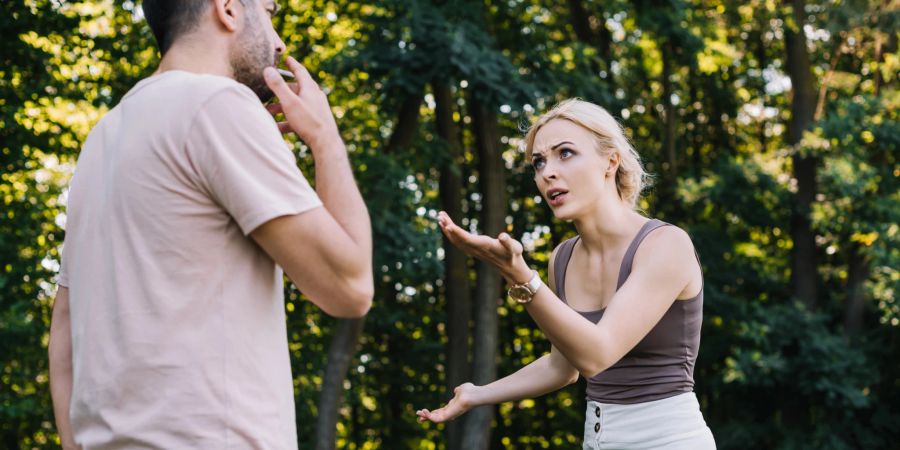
(770, 126)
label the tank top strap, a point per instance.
(625, 269)
(561, 263)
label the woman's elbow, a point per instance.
(591, 368)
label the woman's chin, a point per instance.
(562, 213)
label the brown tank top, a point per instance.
(662, 364)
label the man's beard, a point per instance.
(253, 54)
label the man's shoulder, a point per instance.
(181, 87)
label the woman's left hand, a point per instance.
(504, 252)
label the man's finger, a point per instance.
(277, 84)
(284, 128)
(274, 108)
(304, 79)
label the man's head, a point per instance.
(244, 27)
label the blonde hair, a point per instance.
(631, 178)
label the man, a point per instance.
(168, 328)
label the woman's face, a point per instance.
(569, 171)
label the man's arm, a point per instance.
(60, 350)
(322, 259)
(327, 252)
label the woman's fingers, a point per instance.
(433, 416)
(436, 416)
(457, 234)
(480, 246)
(513, 246)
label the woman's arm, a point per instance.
(662, 268)
(546, 374)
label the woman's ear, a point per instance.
(613, 164)
(226, 14)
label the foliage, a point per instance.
(771, 374)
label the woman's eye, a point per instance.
(565, 153)
(537, 163)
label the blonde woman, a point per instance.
(625, 297)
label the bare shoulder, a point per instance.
(668, 245)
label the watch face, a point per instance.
(519, 293)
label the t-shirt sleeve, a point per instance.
(242, 161)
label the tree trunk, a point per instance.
(595, 34)
(804, 278)
(340, 354)
(854, 308)
(803, 254)
(488, 291)
(347, 331)
(456, 270)
(407, 124)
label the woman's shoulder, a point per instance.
(670, 240)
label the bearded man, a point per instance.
(185, 210)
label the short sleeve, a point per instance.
(243, 162)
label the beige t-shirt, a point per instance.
(178, 327)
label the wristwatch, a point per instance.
(524, 293)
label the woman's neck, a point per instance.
(609, 229)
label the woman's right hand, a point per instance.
(464, 399)
(504, 252)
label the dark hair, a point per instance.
(169, 19)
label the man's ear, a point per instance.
(226, 14)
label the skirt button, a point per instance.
(597, 427)
(597, 411)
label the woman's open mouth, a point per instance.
(557, 197)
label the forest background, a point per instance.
(771, 128)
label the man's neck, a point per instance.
(196, 57)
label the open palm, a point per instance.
(461, 402)
(503, 252)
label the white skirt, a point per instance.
(673, 423)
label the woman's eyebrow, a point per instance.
(554, 147)
(559, 144)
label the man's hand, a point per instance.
(304, 105)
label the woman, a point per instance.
(624, 305)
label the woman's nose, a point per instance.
(548, 172)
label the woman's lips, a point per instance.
(558, 199)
